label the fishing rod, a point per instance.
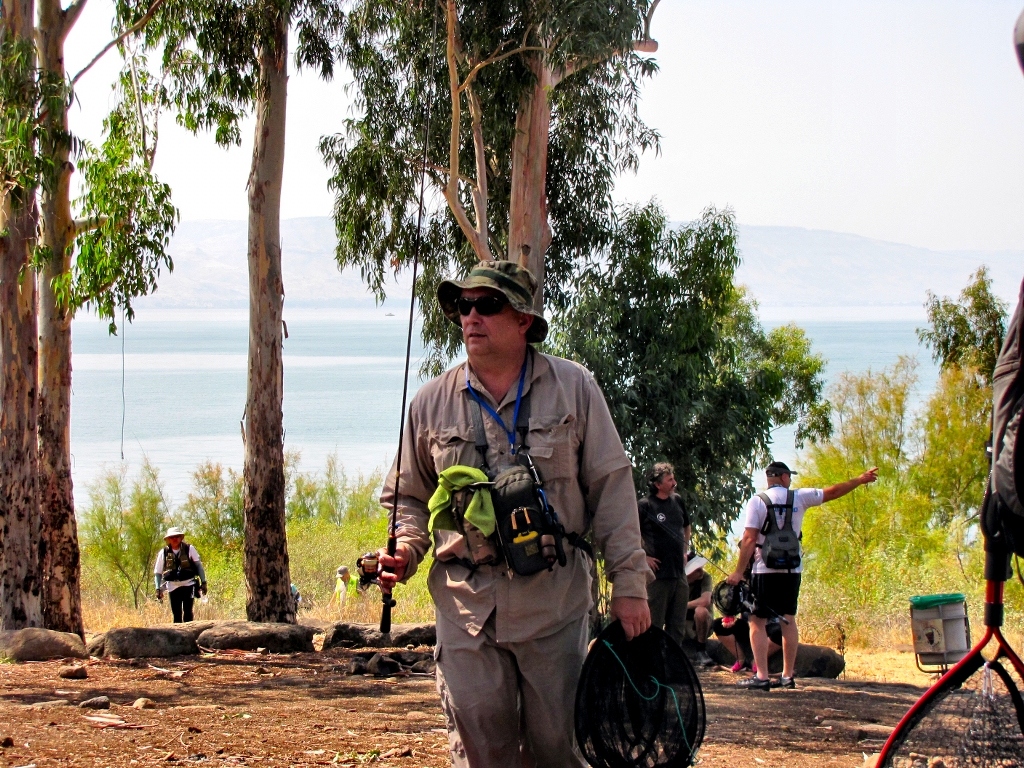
(387, 600)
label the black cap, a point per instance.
(777, 469)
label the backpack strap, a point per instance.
(769, 519)
(480, 436)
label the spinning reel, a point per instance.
(733, 599)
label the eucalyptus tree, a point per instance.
(23, 96)
(537, 101)
(225, 59)
(128, 217)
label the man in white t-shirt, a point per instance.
(777, 591)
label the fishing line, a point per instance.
(124, 329)
(387, 600)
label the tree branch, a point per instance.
(494, 58)
(138, 25)
(71, 14)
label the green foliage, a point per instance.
(967, 332)
(213, 511)
(332, 497)
(123, 527)
(688, 372)
(129, 212)
(210, 53)
(953, 466)
(27, 95)
(596, 133)
(912, 532)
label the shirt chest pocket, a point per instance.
(554, 447)
(453, 445)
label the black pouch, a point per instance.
(527, 548)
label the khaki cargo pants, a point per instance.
(510, 704)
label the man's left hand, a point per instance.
(634, 613)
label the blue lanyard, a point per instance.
(509, 433)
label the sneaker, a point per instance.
(701, 659)
(755, 683)
(739, 666)
(784, 682)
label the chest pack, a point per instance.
(528, 536)
(1006, 491)
(179, 567)
(781, 547)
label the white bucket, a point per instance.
(941, 633)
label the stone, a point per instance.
(143, 703)
(141, 642)
(347, 635)
(97, 702)
(250, 636)
(50, 704)
(35, 644)
(426, 666)
(7, 742)
(415, 714)
(73, 672)
(96, 645)
(408, 658)
(357, 666)
(811, 660)
(382, 666)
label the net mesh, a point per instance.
(638, 703)
(979, 724)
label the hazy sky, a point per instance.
(899, 120)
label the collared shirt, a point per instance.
(587, 477)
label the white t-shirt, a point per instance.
(170, 586)
(756, 512)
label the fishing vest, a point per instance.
(780, 550)
(179, 567)
(1005, 502)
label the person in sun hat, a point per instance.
(696, 624)
(776, 590)
(511, 644)
(179, 572)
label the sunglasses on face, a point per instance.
(484, 305)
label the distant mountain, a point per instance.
(794, 273)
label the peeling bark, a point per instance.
(528, 209)
(267, 578)
(19, 357)
(60, 564)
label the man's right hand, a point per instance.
(653, 563)
(734, 578)
(160, 595)
(397, 564)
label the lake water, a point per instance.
(182, 375)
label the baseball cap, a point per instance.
(778, 468)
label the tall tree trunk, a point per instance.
(528, 215)
(19, 459)
(61, 571)
(267, 579)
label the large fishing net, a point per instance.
(975, 721)
(639, 703)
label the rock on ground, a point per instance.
(344, 635)
(248, 636)
(35, 644)
(97, 702)
(73, 672)
(160, 641)
(811, 660)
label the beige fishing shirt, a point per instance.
(587, 478)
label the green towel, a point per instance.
(480, 511)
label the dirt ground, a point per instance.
(246, 709)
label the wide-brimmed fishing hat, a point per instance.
(174, 531)
(516, 283)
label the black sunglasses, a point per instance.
(485, 305)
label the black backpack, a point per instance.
(1007, 479)
(781, 547)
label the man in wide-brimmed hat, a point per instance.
(511, 640)
(179, 572)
